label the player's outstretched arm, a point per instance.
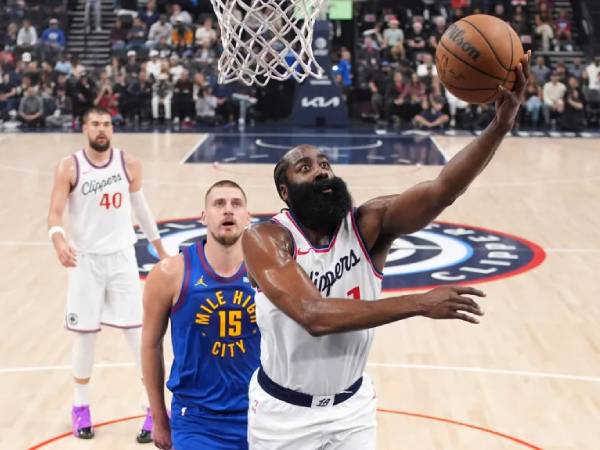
(267, 253)
(162, 287)
(418, 206)
(65, 176)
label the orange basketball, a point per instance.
(475, 55)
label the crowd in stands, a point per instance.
(164, 69)
(396, 79)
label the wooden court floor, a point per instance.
(527, 377)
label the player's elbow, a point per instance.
(313, 321)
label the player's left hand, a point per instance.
(509, 102)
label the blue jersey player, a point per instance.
(205, 293)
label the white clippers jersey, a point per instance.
(100, 207)
(323, 365)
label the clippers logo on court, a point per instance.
(440, 254)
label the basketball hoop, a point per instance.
(266, 39)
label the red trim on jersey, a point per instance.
(312, 247)
(76, 173)
(94, 165)
(187, 270)
(363, 246)
(125, 167)
(208, 268)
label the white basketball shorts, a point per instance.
(104, 290)
(276, 425)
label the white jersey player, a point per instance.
(102, 185)
(318, 267)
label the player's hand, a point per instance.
(66, 254)
(509, 102)
(161, 435)
(451, 302)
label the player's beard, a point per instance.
(226, 240)
(100, 147)
(316, 209)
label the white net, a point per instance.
(266, 39)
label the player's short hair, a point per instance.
(95, 110)
(225, 183)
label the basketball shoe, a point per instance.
(145, 434)
(82, 422)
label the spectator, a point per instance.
(454, 104)
(432, 115)
(136, 36)
(205, 56)
(415, 93)
(438, 31)
(576, 68)
(393, 34)
(149, 15)
(9, 39)
(343, 69)
(8, 93)
(176, 68)
(118, 36)
(592, 71)
(158, 30)
(96, 4)
(554, 92)
(63, 114)
(63, 65)
(154, 65)
(77, 69)
(563, 31)
(206, 106)
(543, 29)
(206, 34)
(162, 93)
(540, 71)
(132, 67)
(108, 100)
(573, 118)
(182, 38)
(416, 41)
(180, 15)
(183, 100)
(397, 109)
(27, 37)
(84, 95)
(561, 70)
(31, 109)
(520, 22)
(500, 12)
(140, 92)
(533, 102)
(52, 40)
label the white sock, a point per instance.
(83, 361)
(81, 395)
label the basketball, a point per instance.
(475, 55)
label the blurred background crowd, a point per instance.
(154, 63)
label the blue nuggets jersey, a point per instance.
(216, 342)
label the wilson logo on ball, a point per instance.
(457, 35)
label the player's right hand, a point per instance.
(161, 435)
(447, 303)
(66, 255)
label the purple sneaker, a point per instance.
(82, 422)
(145, 434)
